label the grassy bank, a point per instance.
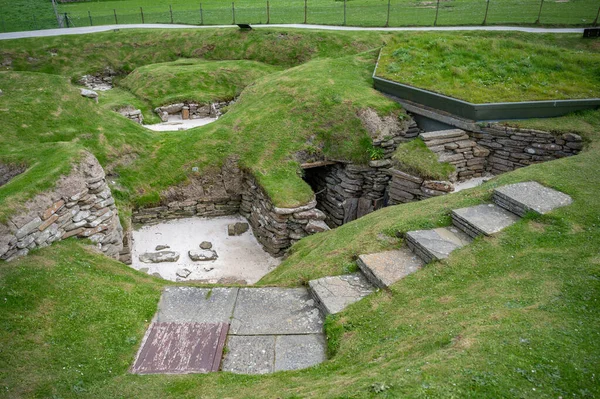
(497, 69)
(514, 315)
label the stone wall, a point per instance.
(406, 187)
(512, 148)
(133, 114)
(345, 191)
(190, 110)
(457, 148)
(81, 205)
(278, 228)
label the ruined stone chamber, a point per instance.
(81, 205)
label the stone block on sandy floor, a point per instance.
(334, 293)
(485, 219)
(200, 305)
(275, 311)
(436, 244)
(249, 354)
(521, 198)
(385, 268)
(295, 352)
(159, 257)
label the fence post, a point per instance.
(305, 11)
(3, 24)
(201, 15)
(540, 13)
(233, 12)
(116, 20)
(67, 20)
(437, 10)
(90, 17)
(142, 14)
(171, 12)
(387, 21)
(268, 13)
(344, 12)
(58, 21)
(487, 7)
(596, 20)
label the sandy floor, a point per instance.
(240, 257)
(176, 123)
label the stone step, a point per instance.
(521, 198)
(442, 134)
(333, 294)
(485, 219)
(385, 268)
(436, 244)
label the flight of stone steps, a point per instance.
(380, 270)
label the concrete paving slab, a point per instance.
(275, 311)
(295, 352)
(201, 305)
(385, 268)
(436, 244)
(181, 348)
(520, 198)
(334, 293)
(250, 354)
(483, 219)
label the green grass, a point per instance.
(193, 80)
(497, 69)
(514, 315)
(415, 157)
(19, 13)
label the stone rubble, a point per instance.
(159, 257)
(190, 110)
(202, 255)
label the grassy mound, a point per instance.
(496, 69)
(193, 80)
(415, 157)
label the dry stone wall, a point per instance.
(81, 205)
(512, 148)
(406, 187)
(190, 110)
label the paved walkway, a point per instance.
(263, 330)
(105, 28)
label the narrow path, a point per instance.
(105, 28)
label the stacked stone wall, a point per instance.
(512, 148)
(406, 187)
(81, 206)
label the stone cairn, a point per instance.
(81, 206)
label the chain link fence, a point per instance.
(394, 13)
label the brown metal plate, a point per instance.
(181, 348)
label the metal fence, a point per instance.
(343, 12)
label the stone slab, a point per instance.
(442, 134)
(436, 244)
(181, 348)
(250, 354)
(483, 219)
(521, 198)
(385, 268)
(334, 293)
(295, 352)
(275, 311)
(200, 305)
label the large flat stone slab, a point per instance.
(181, 348)
(521, 198)
(383, 269)
(333, 294)
(485, 219)
(275, 311)
(250, 354)
(201, 305)
(436, 244)
(295, 352)
(262, 354)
